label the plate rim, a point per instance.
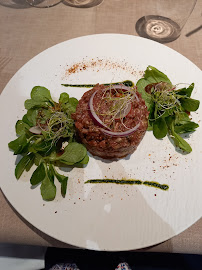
(38, 55)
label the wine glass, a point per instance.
(43, 3)
(163, 20)
(83, 3)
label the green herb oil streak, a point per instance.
(126, 83)
(129, 182)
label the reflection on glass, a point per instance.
(43, 3)
(83, 3)
(163, 20)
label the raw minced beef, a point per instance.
(100, 144)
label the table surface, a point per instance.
(26, 31)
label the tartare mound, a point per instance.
(91, 134)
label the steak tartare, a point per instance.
(111, 121)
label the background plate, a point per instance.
(107, 217)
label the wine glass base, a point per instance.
(82, 3)
(158, 28)
(43, 3)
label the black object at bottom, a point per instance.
(94, 260)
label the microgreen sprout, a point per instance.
(57, 126)
(165, 98)
(118, 102)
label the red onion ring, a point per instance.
(35, 130)
(97, 120)
(120, 134)
(93, 114)
(125, 113)
(119, 86)
(123, 87)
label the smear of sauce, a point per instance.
(126, 83)
(129, 182)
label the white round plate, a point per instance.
(107, 216)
